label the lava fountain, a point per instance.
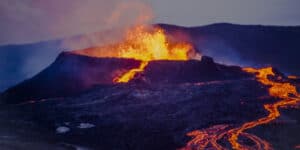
(146, 44)
(280, 89)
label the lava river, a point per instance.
(210, 138)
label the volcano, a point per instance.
(148, 92)
(72, 74)
(145, 52)
(243, 45)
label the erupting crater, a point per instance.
(145, 44)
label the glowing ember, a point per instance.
(293, 77)
(288, 96)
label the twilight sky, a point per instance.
(24, 21)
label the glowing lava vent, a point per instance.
(145, 44)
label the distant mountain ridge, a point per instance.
(255, 45)
(244, 45)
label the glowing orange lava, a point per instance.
(145, 44)
(130, 74)
(142, 44)
(286, 92)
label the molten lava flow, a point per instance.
(130, 74)
(286, 92)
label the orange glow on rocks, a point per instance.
(293, 77)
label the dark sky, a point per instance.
(23, 21)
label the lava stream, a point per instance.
(131, 73)
(286, 92)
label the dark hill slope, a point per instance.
(69, 74)
(72, 74)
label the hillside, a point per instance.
(227, 43)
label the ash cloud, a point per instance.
(29, 21)
(124, 15)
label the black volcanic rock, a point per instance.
(190, 71)
(207, 60)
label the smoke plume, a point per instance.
(37, 20)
